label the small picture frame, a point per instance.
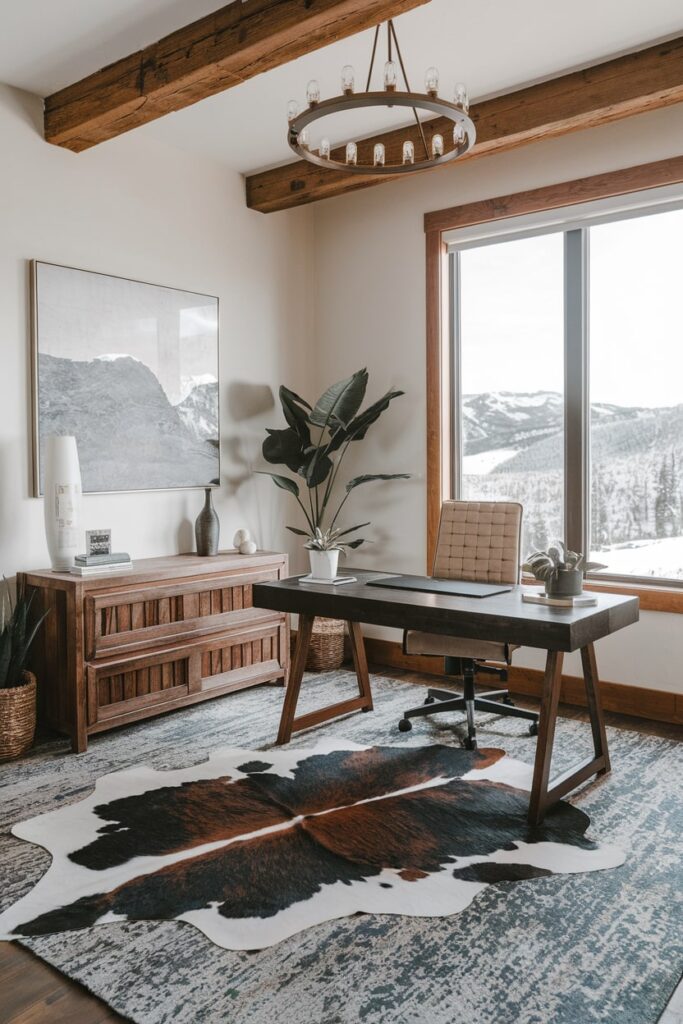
(97, 542)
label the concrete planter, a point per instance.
(565, 583)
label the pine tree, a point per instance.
(600, 519)
(666, 499)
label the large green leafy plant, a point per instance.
(16, 636)
(313, 446)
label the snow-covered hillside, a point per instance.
(513, 447)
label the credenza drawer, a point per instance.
(122, 619)
(124, 689)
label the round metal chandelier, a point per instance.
(442, 147)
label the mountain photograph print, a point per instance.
(131, 371)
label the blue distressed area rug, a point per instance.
(528, 944)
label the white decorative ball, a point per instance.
(240, 538)
(248, 547)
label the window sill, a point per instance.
(654, 598)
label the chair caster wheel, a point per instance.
(533, 729)
(509, 701)
(430, 700)
(470, 743)
(405, 725)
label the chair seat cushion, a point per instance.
(416, 642)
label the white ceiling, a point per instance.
(492, 45)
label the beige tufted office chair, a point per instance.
(478, 541)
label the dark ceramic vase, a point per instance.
(207, 527)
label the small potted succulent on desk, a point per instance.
(562, 571)
(313, 447)
(324, 550)
(17, 684)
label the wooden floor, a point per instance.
(31, 992)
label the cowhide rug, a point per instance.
(252, 848)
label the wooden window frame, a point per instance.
(656, 597)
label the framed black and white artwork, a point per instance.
(131, 370)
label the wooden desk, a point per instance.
(503, 618)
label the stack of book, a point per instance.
(101, 565)
(337, 581)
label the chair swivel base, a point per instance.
(445, 700)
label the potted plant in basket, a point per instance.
(17, 684)
(313, 446)
(561, 570)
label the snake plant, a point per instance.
(16, 637)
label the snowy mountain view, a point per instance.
(199, 410)
(129, 435)
(513, 449)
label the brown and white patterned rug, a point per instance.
(252, 850)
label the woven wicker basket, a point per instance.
(326, 651)
(17, 718)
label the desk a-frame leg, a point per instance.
(543, 794)
(288, 722)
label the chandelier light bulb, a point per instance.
(304, 138)
(379, 155)
(325, 149)
(313, 93)
(462, 98)
(351, 153)
(348, 80)
(437, 146)
(459, 135)
(432, 81)
(408, 153)
(292, 110)
(390, 76)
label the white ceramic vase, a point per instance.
(324, 564)
(63, 501)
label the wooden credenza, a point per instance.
(171, 632)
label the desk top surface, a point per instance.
(500, 617)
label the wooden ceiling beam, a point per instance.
(617, 88)
(215, 53)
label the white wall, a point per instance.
(356, 265)
(141, 210)
(370, 310)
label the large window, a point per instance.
(568, 385)
(512, 374)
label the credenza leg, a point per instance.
(296, 672)
(546, 734)
(79, 742)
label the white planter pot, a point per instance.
(324, 564)
(63, 501)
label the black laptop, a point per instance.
(432, 585)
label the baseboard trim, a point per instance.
(656, 705)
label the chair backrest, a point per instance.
(479, 540)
